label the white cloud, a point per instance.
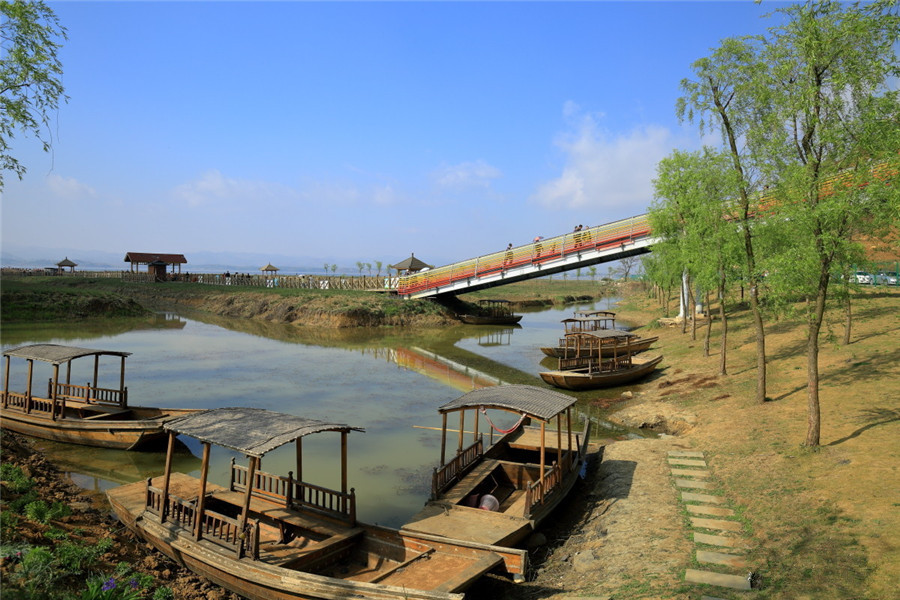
(69, 188)
(213, 188)
(604, 171)
(466, 175)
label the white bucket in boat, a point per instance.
(490, 503)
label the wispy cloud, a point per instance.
(69, 188)
(470, 174)
(213, 189)
(602, 170)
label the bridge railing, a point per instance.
(538, 252)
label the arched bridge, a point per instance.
(595, 245)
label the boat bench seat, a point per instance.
(112, 415)
(292, 557)
(273, 513)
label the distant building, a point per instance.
(411, 265)
(66, 263)
(157, 264)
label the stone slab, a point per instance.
(687, 462)
(694, 497)
(689, 483)
(690, 473)
(715, 511)
(716, 524)
(686, 453)
(724, 541)
(721, 558)
(735, 582)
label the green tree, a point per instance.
(30, 75)
(693, 211)
(724, 97)
(360, 265)
(378, 265)
(830, 132)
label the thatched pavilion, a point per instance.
(66, 263)
(411, 265)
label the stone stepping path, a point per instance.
(727, 568)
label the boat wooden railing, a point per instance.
(216, 527)
(291, 493)
(88, 394)
(27, 404)
(538, 491)
(445, 475)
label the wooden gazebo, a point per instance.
(411, 265)
(150, 258)
(66, 263)
(269, 269)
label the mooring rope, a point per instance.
(497, 429)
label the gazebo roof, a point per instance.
(251, 431)
(534, 401)
(149, 257)
(66, 263)
(57, 354)
(269, 267)
(411, 264)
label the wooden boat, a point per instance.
(599, 360)
(268, 536)
(79, 414)
(492, 312)
(566, 349)
(498, 495)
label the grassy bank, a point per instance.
(31, 299)
(825, 521)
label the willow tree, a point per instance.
(723, 96)
(693, 211)
(30, 76)
(830, 137)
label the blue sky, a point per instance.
(358, 131)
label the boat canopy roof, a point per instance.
(604, 333)
(56, 354)
(594, 313)
(533, 401)
(251, 431)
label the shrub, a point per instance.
(9, 522)
(14, 479)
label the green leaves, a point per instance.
(30, 75)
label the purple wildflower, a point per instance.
(109, 585)
(134, 583)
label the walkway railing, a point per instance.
(538, 252)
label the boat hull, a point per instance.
(486, 320)
(448, 567)
(144, 429)
(449, 517)
(578, 379)
(560, 352)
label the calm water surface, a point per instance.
(388, 382)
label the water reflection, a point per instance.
(388, 381)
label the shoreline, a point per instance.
(828, 513)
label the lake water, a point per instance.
(389, 382)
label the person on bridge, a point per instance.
(538, 246)
(509, 256)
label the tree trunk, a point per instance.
(722, 366)
(813, 420)
(760, 346)
(708, 327)
(692, 306)
(848, 317)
